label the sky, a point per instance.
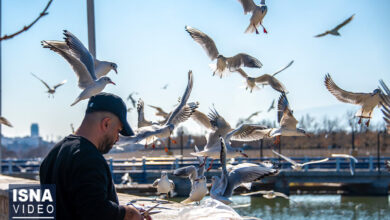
(148, 42)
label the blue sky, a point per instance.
(148, 42)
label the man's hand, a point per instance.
(132, 214)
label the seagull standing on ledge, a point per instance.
(164, 185)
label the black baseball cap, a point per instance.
(111, 103)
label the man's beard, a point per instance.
(106, 144)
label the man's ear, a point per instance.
(105, 123)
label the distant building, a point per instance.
(34, 130)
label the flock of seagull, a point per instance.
(92, 79)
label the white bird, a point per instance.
(126, 179)
(268, 194)
(197, 178)
(352, 161)
(222, 187)
(252, 115)
(335, 31)
(298, 166)
(367, 101)
(219, 127)
(265, 79)
(50, 90)
(230, 64)
(82, 63)
(258, 14)
(164, 185)
(160, 111)
(180, 114)
(287, 122)
(101, 67)
(24, 169)
(5, 121)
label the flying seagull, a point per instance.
(268, 194)
(258, 14)
(82, 63)
(367, 101)
(272, 106)
(101, 67)
(335, 31)
(298, 166)
(229, 64)
(50, 90)
(265, 79)
(287, 122)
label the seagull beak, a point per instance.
(113, 83)
(243, 154)
(116, 71)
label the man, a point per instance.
(84, 186)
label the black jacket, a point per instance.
(84, 186)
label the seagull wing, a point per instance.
(59, 84)
(285, 115)
(323, 34)
(77, 48)
(5, 121)
(315, 161)
(175, 117)
(217, 121)
(59, 44)
(272, 81)
(342, 95)
(248, 5)
(205, 41)
(246, 174)
(344, 23)
(246, 132)
(280, 70)
(84, 77)
(281, 195)
(44, 83)
(160, 111)
(242, 59)
(189, 171)
(255, 193)
(202, 119)
(285, 158)
(345, 156)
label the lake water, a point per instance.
(318, 207)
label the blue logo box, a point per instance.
(32, 201)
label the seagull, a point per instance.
(298, 166)
(265, 79)
(231, 64)
(368, 101)
(5, 121)
(222, 187)
(268, 194)
(287, 122)
(352, 161)
(101, 67)
(219, 127)
(50, 90)
(82, 63)
(180, 114)
(335, 31)
(197, 178)
(163, 185)
(258, 14)
(272, 106)
(130, 97)
(126, 179)
(165, 86)
(24, 169)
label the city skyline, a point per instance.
(148, 42)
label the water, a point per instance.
(318, 207)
